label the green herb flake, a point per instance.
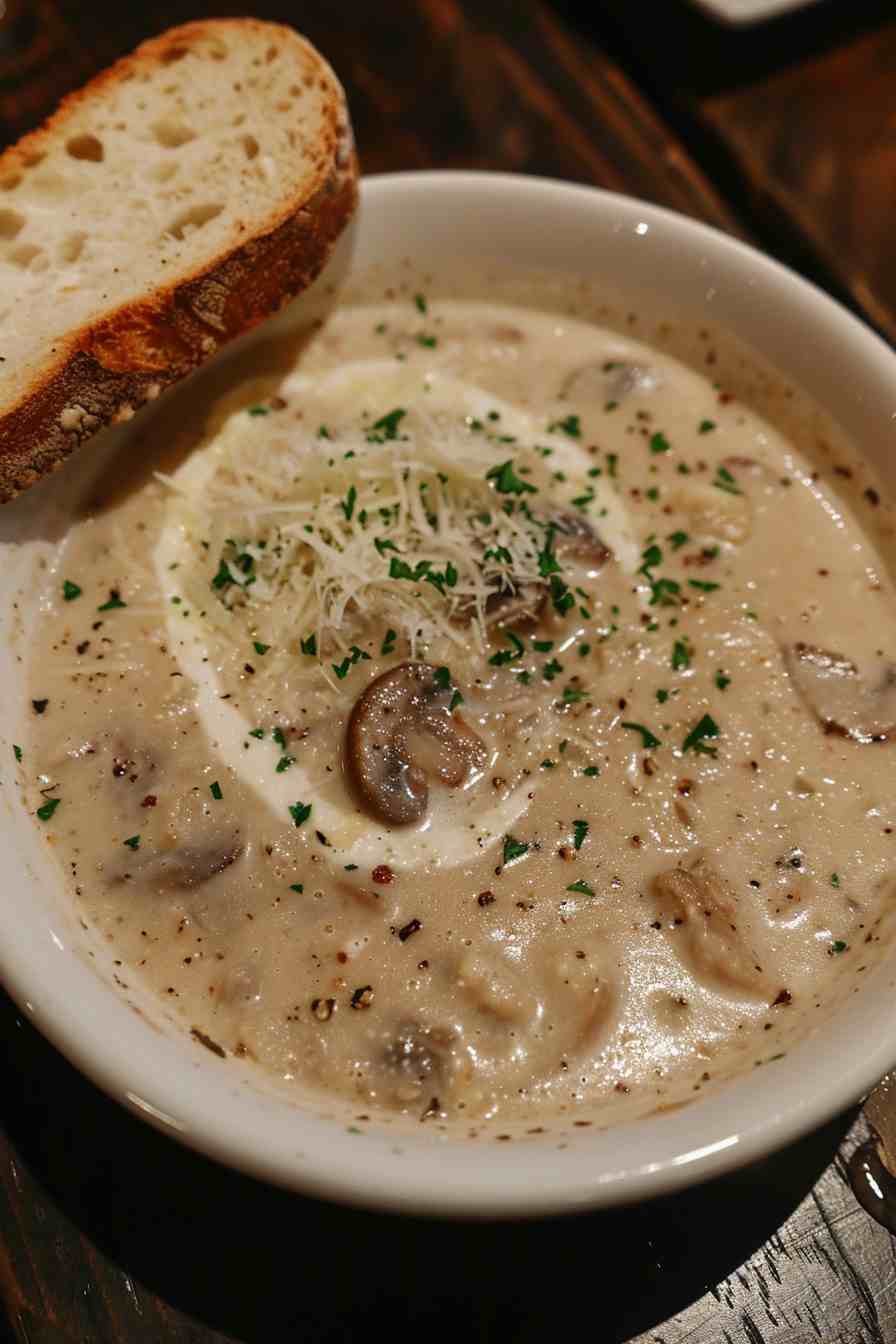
(706, 426)
(456, 700)
(681, 655)
(677, 540)
(561, 597)
(442, 678)
(132, 842)
(703, 586)
(648, 739)
(278, 735)
(548, 764)
(721, 680)
(297, 886)
(70, 591)
(256, 732)
(551, 670)
(839, 946)
(579, 831)
(507, 482)
(284, 763)
(696, 738)
(570, 425)
(259, 647)
(420, 303)
(572, 695)
(514, 849)
(386, 428)
(300, 812)
(46, 810)
(114, 601)
(259, 410)
(659, 443)
(347, 505)
(725, 481)
(429, 342)
(835, 879)
(582, 888)
(612, 464)
(17, 751)
(591, 771)
(309, 645)
(662, 696)
(215, 791)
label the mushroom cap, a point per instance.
(400, 731)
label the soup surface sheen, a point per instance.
(614, 824)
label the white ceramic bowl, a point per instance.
(675, 266)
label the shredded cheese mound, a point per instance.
(319, 539)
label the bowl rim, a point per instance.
(151, 1075)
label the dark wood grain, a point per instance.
(817, 141)
(112, 1233)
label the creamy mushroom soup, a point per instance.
(487, 718)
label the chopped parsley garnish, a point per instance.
(548, 764)
(696, 738)
(355, 655)
(347, 505)
(297, 886)
(561, 597)
(442, 678)
(17, 752)
(259, 410)
(570, 425)
(70, 591)
(542, 645)
(703, 585)
(721, 680)
(507, 482)
(259, 647)
(284, 763)
(309, 645)
(323, 432)
(573, 694)
(420, 303)
(650, 558)
(132, 842)
(278, 736)
(388, 645)
(664, 592)
(384, 545)
(256, 732)
(659, 443)
(839, 945)
(725, 481)
(39, 705)
(400, 569)
(591, 771)
(581, 887)
(648, 739)
(430, 342)
(835, 879)
(215, 791)
(681, 655)
(505, 656)
(551, 670)
(706, 426)
(662, 696)
(547, 560)
(386, 428)
(300, 812)
(611, 405)
(514, 849)
(612, 463)
(46, 810)
(456, 699)
(677, 540)
(579, 831)
(114, 601)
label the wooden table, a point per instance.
(112, 1233)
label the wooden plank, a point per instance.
(817, 142)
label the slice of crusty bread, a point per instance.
(176, 200)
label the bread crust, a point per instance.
(104, 371)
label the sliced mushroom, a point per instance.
(400, 731)
(514, 606)
(702, 911)
(185, 867)
(574, 537)
(713, 514)
(842, 699)
(610, 381)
